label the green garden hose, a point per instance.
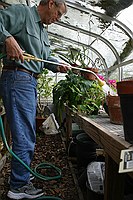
(34, 171)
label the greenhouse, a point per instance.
(66, 93)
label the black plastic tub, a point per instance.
(86, 150)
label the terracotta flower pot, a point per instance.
(125, 91)
(114, 109)
(39, 121)
(89, 75)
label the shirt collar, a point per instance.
(35, 14)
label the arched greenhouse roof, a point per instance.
(103, 37)
(101, 30)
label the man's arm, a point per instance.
(63, 68)
(9, 25)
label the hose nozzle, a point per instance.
(101, 83)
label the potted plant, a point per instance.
(44, 92)
(111, 103)
(114, 109)
(125, 92)
(87, 63)
(78, 93)
(79, 58)
(69, 55)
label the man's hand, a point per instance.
(63, 68)
(13, 50)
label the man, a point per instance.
(22, 29)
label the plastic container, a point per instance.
(125, 91)
(91, 195)
(86, 150)
(95, 181)
(76, 130)
(73, 143)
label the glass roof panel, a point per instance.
(86, 24)
(82, 26)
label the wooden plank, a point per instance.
(81, 197)
(114, 182)
(111, 143)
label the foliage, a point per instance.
(69, 54)
(78, 93)
(44, 91)
(78, 57)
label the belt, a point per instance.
(8, 68)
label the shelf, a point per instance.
(111, 138)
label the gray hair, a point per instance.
(57, 2)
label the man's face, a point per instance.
(54, 13)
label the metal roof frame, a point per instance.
(106, 18)
(101, 15)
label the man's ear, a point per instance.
(51, 3)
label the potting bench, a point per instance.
(110, 137)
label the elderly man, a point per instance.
(22, 29)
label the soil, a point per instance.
(51, 149)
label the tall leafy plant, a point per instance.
(78, 93)
(44, 91)
(78, 57)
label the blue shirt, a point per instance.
(24, 24)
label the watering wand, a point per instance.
(107, 90)
(102, 83)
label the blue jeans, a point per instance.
(18, 91)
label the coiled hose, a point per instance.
(34, 171)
